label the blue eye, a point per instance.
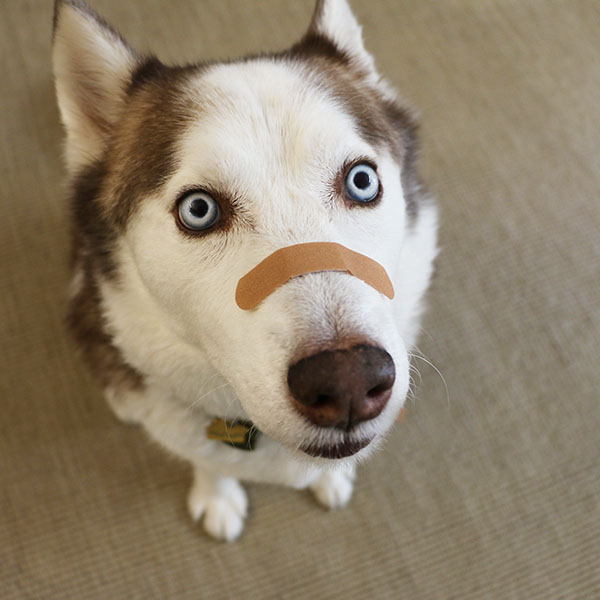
(362, 183)
(198, 211)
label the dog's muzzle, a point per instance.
(337, 388)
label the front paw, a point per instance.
(333, 489)
(223, 504)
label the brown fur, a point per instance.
(141, 156)
(93, 242)
(87, 324)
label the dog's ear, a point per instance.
(92, 66)
(335, 21)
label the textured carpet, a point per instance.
(490, 487)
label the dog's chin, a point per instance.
(355, 445)
(340, 449)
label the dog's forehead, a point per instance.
(259, 119)
(242, 125)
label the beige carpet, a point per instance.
(490, 488)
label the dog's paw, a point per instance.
(333, 489)
(222, 503)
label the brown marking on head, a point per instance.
(87, 325)
(141, 155)
(93, 245)
(405, 124)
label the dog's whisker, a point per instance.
(195, 402)
(205, 383)
(228, 427)
(229, 400)
(423, 330)
(413, 389)
(422, 357)
(413, 368)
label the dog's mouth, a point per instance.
(343, 449)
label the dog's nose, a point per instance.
(341, 388)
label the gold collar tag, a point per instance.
(238, 434)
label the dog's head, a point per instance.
(196, 174)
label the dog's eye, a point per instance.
(198, 211)
(362, 183)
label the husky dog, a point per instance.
(183, 179)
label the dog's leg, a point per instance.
(222, 502)
(333, 489)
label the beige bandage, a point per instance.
(291, 261)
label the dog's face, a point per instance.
(203, 171)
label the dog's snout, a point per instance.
(342, 387)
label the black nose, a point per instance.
(341, 388)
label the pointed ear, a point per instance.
(92, 68)
(334, 20)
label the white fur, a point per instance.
(172, 309)
(333, 489)
(223, 503)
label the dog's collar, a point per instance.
(237, 434)
(242, 434)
